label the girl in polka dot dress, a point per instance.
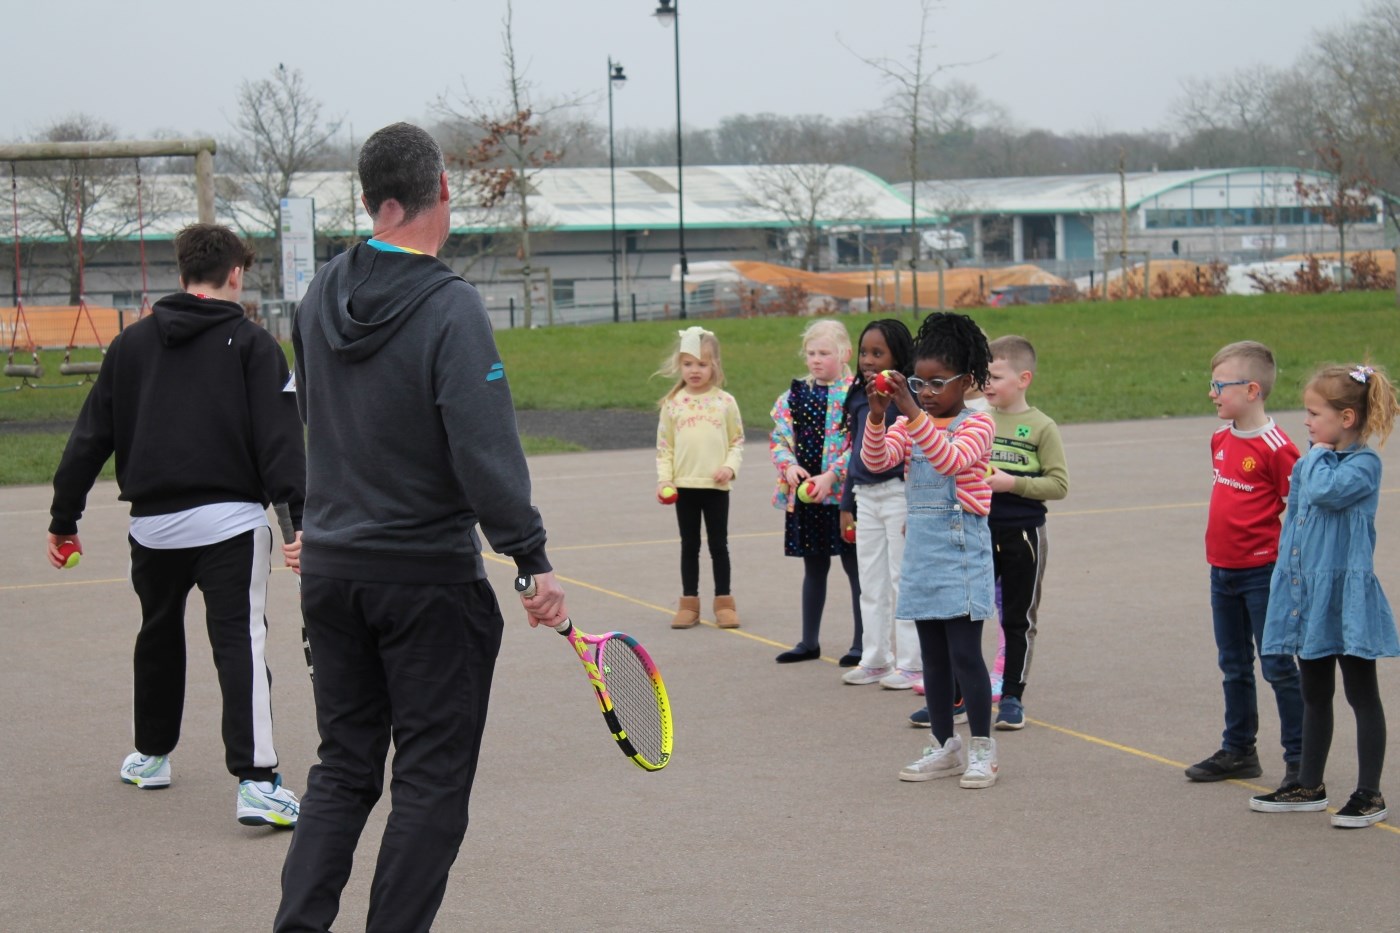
(810, 451)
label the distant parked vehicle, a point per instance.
(1005, 295)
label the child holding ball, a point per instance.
(810, 451)
(699, 445)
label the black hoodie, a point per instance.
(411, 434)
(190, 400)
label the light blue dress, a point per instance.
(1324, 598)
(947, 569)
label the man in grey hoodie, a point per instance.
(411, 444)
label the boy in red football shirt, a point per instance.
(1253, 461)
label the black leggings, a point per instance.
(1364, 697)
(713, 506)
(815, 568)
(952, 652)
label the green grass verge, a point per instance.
(30, 459)
(1098, 362)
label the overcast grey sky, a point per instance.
(1067, 66)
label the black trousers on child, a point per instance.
(411, 662)
(713, 506)
(232, 575)
(1018, 557)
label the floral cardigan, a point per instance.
(836, 449)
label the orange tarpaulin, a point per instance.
(51, 326)
(957, 281)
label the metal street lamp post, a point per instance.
(618, 80)
(667, 14)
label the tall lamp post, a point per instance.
(666, 15)
(617, 80)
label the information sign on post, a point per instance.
(298, 228)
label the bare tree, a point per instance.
(1236, 119)
(809, 198)
(1343, 196)
(911, 82)
(279, 132)
(502, 148)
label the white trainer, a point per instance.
(981, 763)
(937, 762)
(267, 803)
(864, 675)
(900, 679)
(146, 771)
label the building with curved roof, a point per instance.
(1070, 221)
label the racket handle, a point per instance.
(284, 522)
(525, 586)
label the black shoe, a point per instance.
(1226, 765)
(1291, 799)
(1364, 808)
(850, 659)
(799, 654)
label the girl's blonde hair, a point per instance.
(1365, 390)
(688, 341)
(828, 329)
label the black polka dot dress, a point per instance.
(811, 529)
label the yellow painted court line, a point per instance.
(573, 581)
(1128, 749)
(62, 583)
(1072, 733)
(1072, 513)
(653, 543)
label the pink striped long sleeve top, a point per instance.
(963, 454)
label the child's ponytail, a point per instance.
(1381, 405)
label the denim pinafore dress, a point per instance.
(947, 570)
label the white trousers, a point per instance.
(880, 517)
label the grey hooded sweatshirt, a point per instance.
(411, 433)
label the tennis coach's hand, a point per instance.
(546, 607)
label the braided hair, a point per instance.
(901, 344)
(956, 341)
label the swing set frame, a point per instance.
(203, 152)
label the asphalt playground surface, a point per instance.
(781, 809)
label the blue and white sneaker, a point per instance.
(267, 803)
(1011, 714)
(147, 772)
(919, 718)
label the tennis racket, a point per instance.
(289, 534)
(629, 688)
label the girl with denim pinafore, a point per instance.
(1326, 605)
(947, 578)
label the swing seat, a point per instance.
(80, 369)
(24, 370)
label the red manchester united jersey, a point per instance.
(1252, 470)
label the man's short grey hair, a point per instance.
(402, 163)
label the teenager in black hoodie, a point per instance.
(193, 401)
(411, 444)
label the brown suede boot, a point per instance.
(688, 613)
(725, 614)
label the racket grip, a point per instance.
(525, 586)
(284, 522)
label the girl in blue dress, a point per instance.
(1325, 603)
